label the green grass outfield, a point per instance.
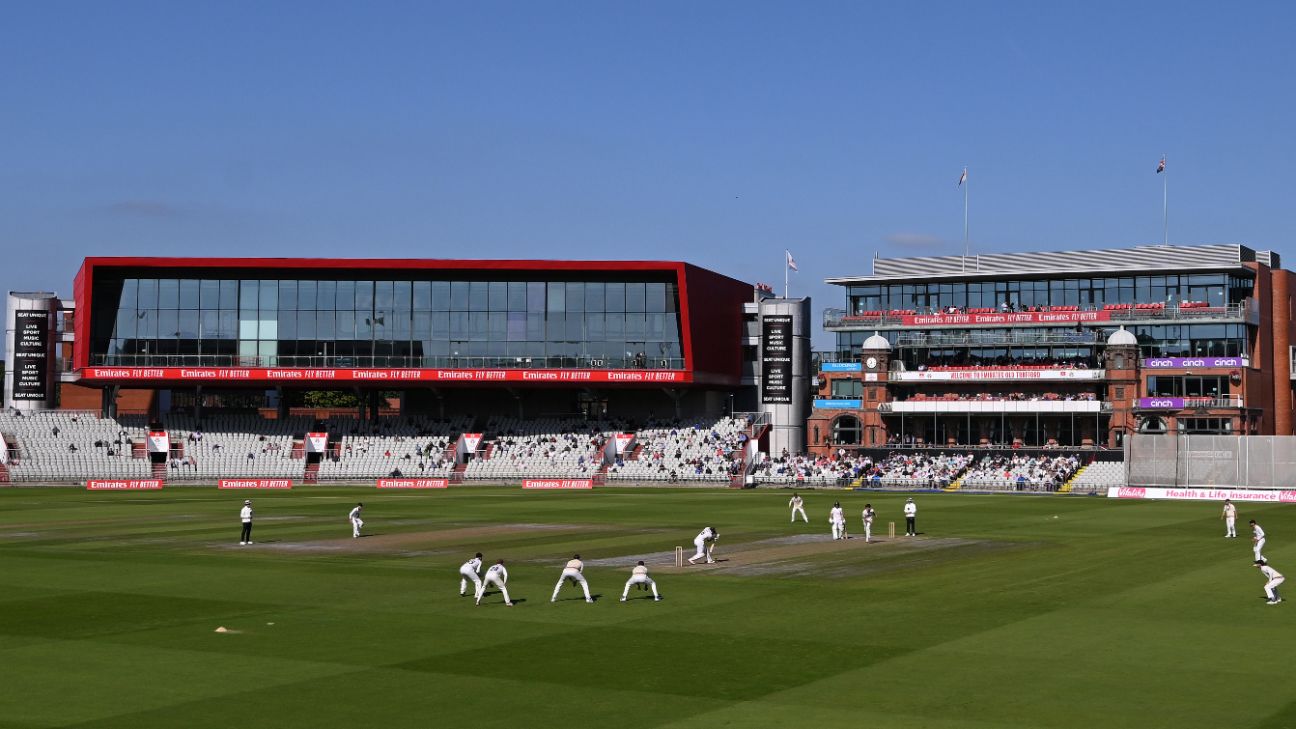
(1008, 612)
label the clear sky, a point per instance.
(719, 133)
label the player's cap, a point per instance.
(641, 561)
(478, 555)
(248, 501)
(1260, 562)
(909, 499)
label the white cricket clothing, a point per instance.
(355, 514)
(640, 578)
(1257, 532)
(911, 509)
(246, 514)
(575, 564)
(701, 545)
(468, 573)
(639, 570)
(497, 576)
(1258, 536)
(573, 574)
(703, 542)
(837, 518)
(1274, 579)
(798, 507)
(868, 523)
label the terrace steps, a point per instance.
(1066, 487)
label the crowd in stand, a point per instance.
(1022, 472)
(678, 450)
(841, 469)
(702, 450)
(925, 469)
(972, 362)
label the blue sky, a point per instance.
(718, 133)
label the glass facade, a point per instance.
(387, 322)
(1215, 289)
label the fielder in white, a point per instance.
(705, 543)
(468, 572)
(639, 576)
(573, 571)
(1273, 578)
(497, 576)
(868, 516)
(1257, 541)
(356, 521)
(798, 505)
(1229, 515)
(837, 518)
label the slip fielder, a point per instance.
(573, 571)
(497, 575)
(639, 576)
(468, 572)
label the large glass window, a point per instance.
(313, 322)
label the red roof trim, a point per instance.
(422, 264)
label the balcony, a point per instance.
(1016, 337)
(1245, 312)
(1006, 374)
(632, 362)
(995, 407)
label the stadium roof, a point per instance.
(1136, 259)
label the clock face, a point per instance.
(871, 362)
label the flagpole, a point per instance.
(785, 274)
(1165, 204)
(966, 246)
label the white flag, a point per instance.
(962, 177)
(791, 262)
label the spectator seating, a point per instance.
(1020, 472)
(1099, 476)
(414, 447)
(64, 445)
(701, 450)
(234, 446)
(549, 447)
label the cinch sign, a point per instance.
(1175, 362)
(413, 483)
(255, 483)
(557, 483)
(128, 484)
